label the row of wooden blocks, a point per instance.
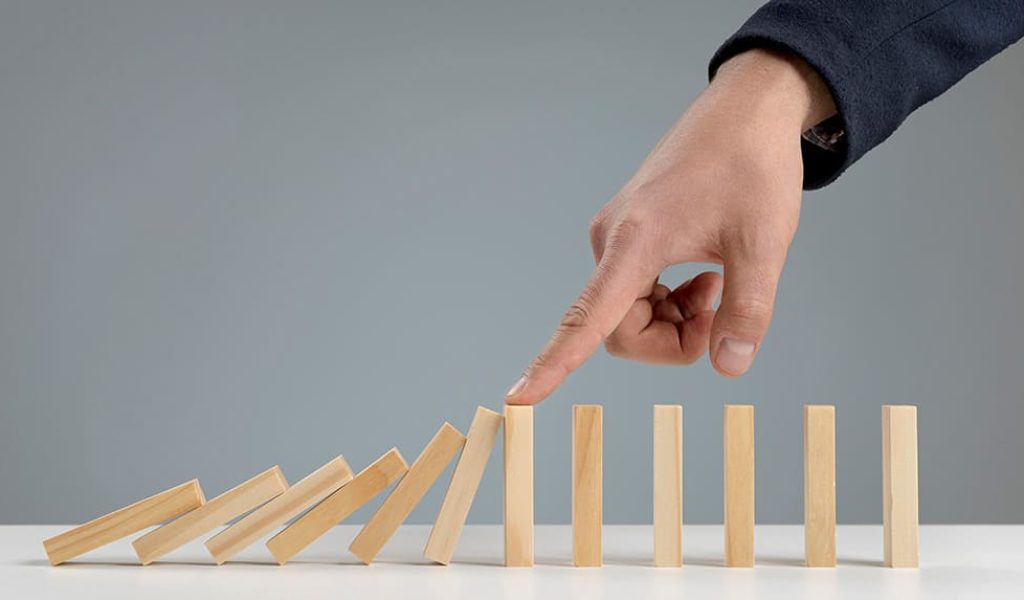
(331, 493)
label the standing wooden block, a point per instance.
(518, 486)
(310, 490)
(739, 486)
(338, 506)
(668, 485)
(820, 485)
(236, 501)
(124, 522)
(587, 484)
(410, 490)
(462, 488)
(899, 485)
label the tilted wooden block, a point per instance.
(739, 485)
(668, 485)
(310, 490)
(232, 503)
(899, 486)
(518, 486)
(587, 484)
(410, 490)
(462, 488)
(336, 507)
(820, 485)
(124, 522)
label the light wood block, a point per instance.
(336, 507)
(463, 486)
(232, 503)
(668, 485)
(124, 522)
(820, 485)
(587, 484)
(899, 486)
(739, 485)
(410, 490)
(518, 486)
(310, 490)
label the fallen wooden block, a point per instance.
(518, 486)
(310, 490)
(338, 506)
(668, 485)
(587, 484)
(445, 444)
(124, 522)
(739, 485)
(820, 486)
(232, 503)
(899, 486)
(463, 486)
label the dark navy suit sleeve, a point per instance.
(881, 59)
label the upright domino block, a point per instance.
(518, 486)
(739, 486)
(668, 485)
(820, 486)
(410, 490)
(371, 481)
(899, 486)
(587, 484)
(232, 503)
(310, 490)
(462, 488)
(124, 522)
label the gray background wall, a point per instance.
(234, 234)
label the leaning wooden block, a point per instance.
(587, 484)
(739, 486)
(820, 486)
(899, 486)
(462, 488)
(338, 506)
(410, 490)
(310, 490)
(668, 485)
(518, 486)
(124, 522)
(232, 503)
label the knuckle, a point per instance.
(753, 312)
(577, 317)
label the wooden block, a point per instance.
(587, 484)
(232, 503)
(518, 486)
(462, 488)
(899, 486)
(338, 506)
(124, 522)
(410, 490)
(739, 486)
(310, 490)
(668, 485)
(820, 485)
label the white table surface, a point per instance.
(957, 561)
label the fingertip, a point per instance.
(521, 393)
(733, 357)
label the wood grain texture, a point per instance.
(739, 485)
(462, 489)
(124, 522)
(336, 507)
(410, 490)
(668, 485)
(518, 486)
(820, 485)
(308, 491)
(587, 484)
(232, 503)
(899, 486)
